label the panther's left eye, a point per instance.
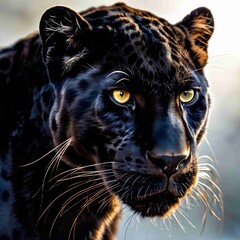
(187, 96)
(121, 96)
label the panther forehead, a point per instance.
(150, 46)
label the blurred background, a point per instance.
(21, 17)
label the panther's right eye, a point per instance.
(121, 96)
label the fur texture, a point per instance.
(71, 152)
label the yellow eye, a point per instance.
(187, 96)
(121, 96)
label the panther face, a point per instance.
(131, 96)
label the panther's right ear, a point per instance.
(63, 33)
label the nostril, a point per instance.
(148, 156)
(183, 163)
(156, 161)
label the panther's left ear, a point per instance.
(198, 26)
(63, 33)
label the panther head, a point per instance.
(131, 95)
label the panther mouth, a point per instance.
(161, 205)
(152, 197)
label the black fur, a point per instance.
(56, 97)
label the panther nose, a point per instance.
(168, 164)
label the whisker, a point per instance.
(169, 226)
(57, 156)
(204, 187)
(54, 149)
(206, 177)
(77, 194)
(127, 224)
(94, 197)
(78, 173)
(178, 222)
(206, 167)
(88, 201)
(185, 216)
(54, 200)
(63, 146)
(210, 147)
(204, 197)
(194, 196)
(206, 157)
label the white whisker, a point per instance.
(185, 216)
(178, 222)
(41, 158)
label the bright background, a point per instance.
(18, 18)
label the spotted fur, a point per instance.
(69, 153)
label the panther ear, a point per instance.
(63, 33)
(198, 26)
